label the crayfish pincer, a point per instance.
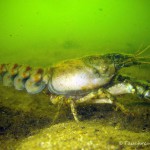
(90, 79)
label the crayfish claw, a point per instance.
(147, 94)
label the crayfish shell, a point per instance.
(19, 83)
(20, 79)
(23, 77)
(8, 77)
(35, 84)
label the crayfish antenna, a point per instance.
(135, 59)
(139, 52)
(142, 62)
(139, 49)
(142, 59)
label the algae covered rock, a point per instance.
(85, 135)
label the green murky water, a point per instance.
(43, 32)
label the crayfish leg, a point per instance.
(121, 107)
(59, 101)
(101, 96)
(74, 110)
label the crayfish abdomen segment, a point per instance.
(23, 77)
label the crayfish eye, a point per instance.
(103, 69)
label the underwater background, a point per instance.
(41, 33)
